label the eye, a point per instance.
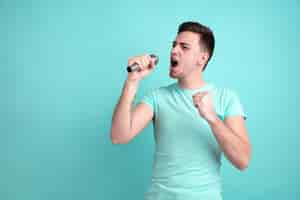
(185, 47)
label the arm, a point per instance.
(233, 140)
(231, 134)
(128, 122)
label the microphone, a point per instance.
(135, 67)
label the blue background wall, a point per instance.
(63, 67)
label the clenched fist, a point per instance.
(146, 64)
(203, 101)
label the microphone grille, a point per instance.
(155, 57)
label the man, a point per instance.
(194, 121)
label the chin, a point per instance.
(173, 76)
(176, 74)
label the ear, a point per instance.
(202, 59)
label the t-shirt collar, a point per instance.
(207, 87)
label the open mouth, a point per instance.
(174, 62)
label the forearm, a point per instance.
(121, 120)
(235, 148)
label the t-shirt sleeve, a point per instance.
(150, 99)
(233, 105)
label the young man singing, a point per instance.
(194, 121)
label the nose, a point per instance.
(174, 50)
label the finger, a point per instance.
(149, 57)
(196, 101)
(198, 97)
(152, 63)
(207, 98)
(130, 61)
(140, 64)
(196, 104)
(142, 61)
(147, 60)
(201, 93)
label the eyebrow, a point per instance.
(181, 43)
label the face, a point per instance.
(186, 55)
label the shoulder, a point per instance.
(162, 89)
(228, 102)
(225, 93)
(225, 96)
(153, 96)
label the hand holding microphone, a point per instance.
(136, 67)
(140, 66)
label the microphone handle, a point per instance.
(135, 67)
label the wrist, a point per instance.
(133, 82)
(130, 88)
(214, 120)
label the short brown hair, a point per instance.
(206, 36)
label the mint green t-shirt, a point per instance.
(187, 157)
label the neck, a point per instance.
(194, 81)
